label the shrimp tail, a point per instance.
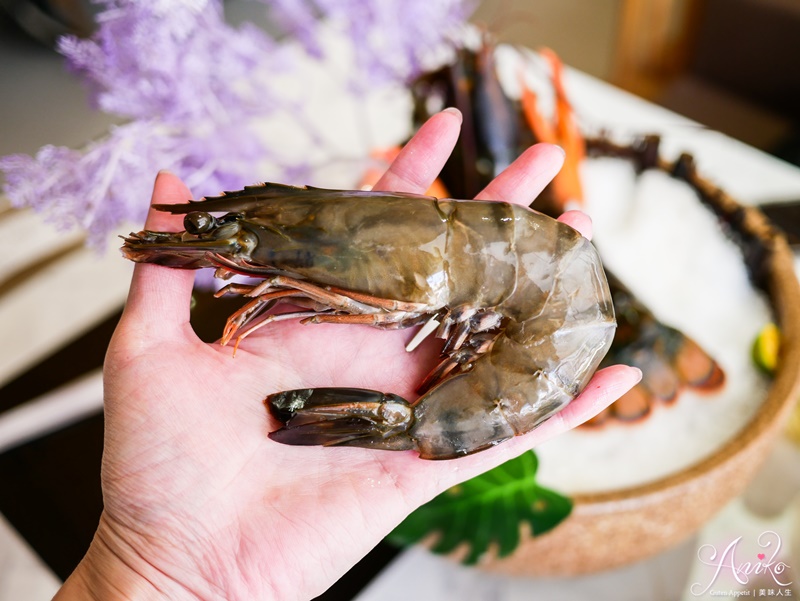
(450, 421)
(342, 416)
(462, 415)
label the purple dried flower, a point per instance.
(197, 90)
(390, 39)
(110, 181)
(191, 84)
(174, 60)
(298, 18)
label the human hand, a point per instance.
(199, 503)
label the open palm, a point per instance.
(199, 503)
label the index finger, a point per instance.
(421, 160)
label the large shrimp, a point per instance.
(520, 298)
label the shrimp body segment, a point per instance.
(520, 299)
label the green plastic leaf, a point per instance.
(487, 509)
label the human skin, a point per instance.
(198, 502)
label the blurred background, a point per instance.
(730, 65)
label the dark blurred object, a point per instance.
(46, 20)
(785, 215)
(654, 41)
(729, 64)
(750, 48)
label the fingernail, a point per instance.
(454, 111)
(165, 172)
(637, 371)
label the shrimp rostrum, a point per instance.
(520, 300)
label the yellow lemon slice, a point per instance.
(766, 347)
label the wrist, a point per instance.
(100, 576)
(109, 572)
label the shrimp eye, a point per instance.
(198, 222)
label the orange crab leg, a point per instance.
(565, 132)
(542, 129)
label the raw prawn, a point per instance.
(521, 300)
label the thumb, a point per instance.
(159, 297)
